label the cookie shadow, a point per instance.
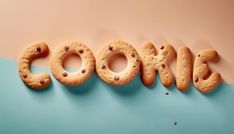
(84, 88)
(43, 95)
(130, 89)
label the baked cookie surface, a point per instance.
(120, 78)
(153, 61)
(203, 79)
(33, 51)
(66, 49)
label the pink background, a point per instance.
(198, 24)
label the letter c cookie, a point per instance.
(127, 75)
(33, 51)
(66, 49)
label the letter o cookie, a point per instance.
(66, 49)
(33, 51)
(120, 78)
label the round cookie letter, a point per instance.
(152, 61)
(33, 51)
(203, 80)
(66, 49)
(183, 68)
(127, 75)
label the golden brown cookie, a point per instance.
(33, 51)
(151, 61)
(203, 79)
(127, 75)
(183, 68)
(68, 48)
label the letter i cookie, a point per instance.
(183, 68)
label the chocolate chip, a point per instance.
(133, 55)
(103, 67)
(196, 79)
(25, 76)
(42, 81)
(163, 66)
(81, 51)
(83, 71)
(64, 74)
(162, 47)
(116, 78)
(38, 49)
(66, 48)
(110, 48)
(167, 93)
(199, 55)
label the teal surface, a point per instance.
(98, 108)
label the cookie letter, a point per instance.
(152, 61)
(183, 68)
(127, 75)
(203, 80)
(33, 51)
(66, 49)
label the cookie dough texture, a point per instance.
(120, 78)
(183, 68)
(151, 62)
(33, 51)
(66, 49)
(203, 79)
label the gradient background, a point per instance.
(95, 107)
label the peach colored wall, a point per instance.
(198, 24)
